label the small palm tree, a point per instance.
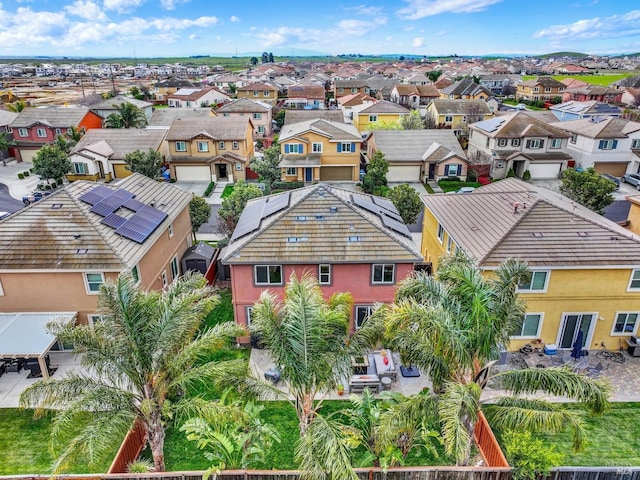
(143, 362)
(17, 106)
(113, 120)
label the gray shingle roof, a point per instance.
(55, 117)
(599, 127)
(461, 107)
(333, 130)
(218, 128)
(296, 116)
(109, 104)
(164, 117)
(122, 140)
(244, 105)
(384, 106)
(407, 145)
(518, 125)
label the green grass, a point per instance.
(228, 190)
(602, 80)
(454, 186)
(24, 445)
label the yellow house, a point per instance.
(259, 91)
(383, 111)
(585, 269)
(458, 114)
(320, 150)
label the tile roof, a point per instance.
(466, 86)
(599, 127)
(121, 140)
(60, 232)
(6, 117)
(244, 105)
(112, 103)
(193, 94)
(218, 128)
(413, 145)
(55, 117)
(333, 130)
(591, 107)
(544, 81)
(518, 125)
(323, 217)
(306, 91)
(174, 82)
(460, 107)
(547, 229)
(258, 86)
(383, 107)
(297, 116)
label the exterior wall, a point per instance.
(90, 120)
(93, 172)
(361, 120)
(264, 121)
(634, 214)
(269, 96)
(431, 248)
(441, 168)
(585, 151)
(245, 293)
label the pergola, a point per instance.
(25, 335)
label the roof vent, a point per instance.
(56, 206)
(582, 234)
(82, 251)
(319, 217)
(333, 209)
(353, 239)
(77, 236)
(537, 234)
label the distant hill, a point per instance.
(562, 54)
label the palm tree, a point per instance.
(127, 116)
(6, 141)
(452, 326)
(17, 106)
(113, 120)
(143, 362)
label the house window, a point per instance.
(528, 326)
(449, 244)
(181, 147)
(486, 144)
(607, 144)
(235, 145)
(373, 118)
(535, 143)
(537, 282)
(440, 233)
(175, 270)
(316, 147)
(340, 90)
(203, 146)
(515, 142)
(453, 169)
(547, 89)
(634, 283)
(170, 230)
(536, 89)
(293, 148)
(354, 90)
(41, 132)
(363, 312)
(346, 147)
(249, 312)
(257, 116)
(556, 143)
(80, 168)
(93, 320)
(135, 274)
(221, 145)
(635, 144)
(164, 279)
(265, 93)
(226, 114)
(58, 131)
(324, 274)
(92, 282)
(22, 132)
(448, 118)
(256, 93)
(625, 323)
(1, 290)
(268, 274)
(382, 273)
(261, 129)
(292, 171)
(574, 138)
(499, 163)
(502, 142)
(238, 166)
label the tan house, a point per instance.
(320, 150)
(413, 96)
(264, 92)
(59, 250)
(542, 88)
(465, 89)
(210, 149)
(383, 111)
(458, 114)
(169, 86)
(260, 113)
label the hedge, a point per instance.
(286, 185)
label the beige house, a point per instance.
(58, 251)
(259, 112)
(457, 114)
(210, 149)
(264, 92)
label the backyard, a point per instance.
(601, 80)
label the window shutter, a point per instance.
(286, 148)
(353, 147)
(541, 143)
(300, 148)
(528, 143)
(339, 147)
(601, 144)
(459, 172)
(615, 144)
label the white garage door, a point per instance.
(403, 173)
(545, 170)
(193, 173)
(27, 155)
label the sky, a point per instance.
(170, 28)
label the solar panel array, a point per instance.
(250, 219)
(276, 204)
(490, 125)
(95, 195)
(133, 204)
(113, 220)
(385, 210)
(142, 224)
(399, 227)
(112, 203)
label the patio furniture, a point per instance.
(14, 365)
(360, 364)
(408, 371)
(272, 374)
(386, 383)
(357, 383)
(385, 366)
(594, 371)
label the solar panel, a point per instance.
(133, 204)
(95, 195)
(276, 204)
(399, 227)
(132, 234)
(250, 219)
(388, 206)
(366, 204)
(490, 125)
(111, 203)
(142, 224)
(113, 220)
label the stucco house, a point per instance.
(541, 88)
(306, 96)
(265, 92)
(261, 114)
(349, 241)
(457, 114)
(169, 86)
(465, 89)
(383, 111)
(197, 97)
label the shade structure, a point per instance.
(576, 352)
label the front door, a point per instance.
(101, 168)
(432, 171)
(572, 323)
(308, 174)
(222, 170)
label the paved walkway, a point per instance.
(9, 176)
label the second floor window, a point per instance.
(382, 273)
(22, 132)
(574, 138)
(324, 274)
(502, 142)
(257, 116)
(440, 233)
(607, 144)
(203, 146)
(235, 145)
(373, 118)
(181, 147)
(346, 147)
(221, 145)
(515, 142)
(448, 118)
(293, 148)
(635, 144)
(555, 143)
(537, 282)
(93, 282)
(41, 132)
(268, 274)
(316, 147)
(535, 143)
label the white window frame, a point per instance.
(268, 282)
(373, 118)
(535, 143)
(635, 277)
(449, 243)
(23, 132)
(316, 147)
(80, 168)
(384, 266)
(449, 169)
(574, 138)
(448, 119)
(368, 310)
(635, 144)
(235, 145)
(256, 93)
(41, 132)
(606, 144)
(555, 143)
(502, 142)
(136, 269)
(440, 233)
(165, 280)
(257, 116)
(541, 290)
(175, 267)
(345, 147)
(292, 171)
(265, 93)
(58, 131)
(515, 142)
(261, 129)
(248, 312)
(94, 318)
(203, 146)
(547, 89)
(324, 277)
(170, 230)
(181, 146)
(87, 282)
(625, 332)
(539, 329)
(221, 145)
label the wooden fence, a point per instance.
(131, 447)
(488, 445)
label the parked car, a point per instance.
(4, 215)
(521, 106)
(35, 196)
(631, 179)
(612, 178)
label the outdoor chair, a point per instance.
(594, 371)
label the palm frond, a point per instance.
(458, 412)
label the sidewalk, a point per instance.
(9, 176)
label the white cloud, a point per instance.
(425, 8)
(122, 6)
(170, 23)
(171, 4)
(418, 42)
(193, 36)
(234, 19)
(624, 25)
(365, 10)
(86, 9)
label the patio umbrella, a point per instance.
(577, 346)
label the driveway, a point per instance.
(7, 202)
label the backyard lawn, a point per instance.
(455, 185)
(228, 190)
(602, 80)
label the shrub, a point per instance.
(286, 185)
(40, 186)
(141, 465)
(511, 173)
(209, 189)
(472, 176)
(526, 176)
(21, 176)
(54, 184)
(47, 187)
(529, 457)
(31, 170)
(26, 173)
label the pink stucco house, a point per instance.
(350, 241)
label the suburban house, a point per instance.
(348, 102)
(197, 97)
(419, 155)
(383, 111)
(297, 116)
(414, 96)
(571, 251)
(100, 152)
(264, 92)
(164, 117)
(305, 96)
(500, 84)
(110, 105)
(541, 88)
(35, 127)
(167, 87)
(457, 114)
(574, 110)
(607, 144)
(6, 117)
(210, 149)
(465, 89)
(520, 142)
(348, 87)
(86, 233)
(349, 241)
(320, 150)
(260, 113)
(588, 92)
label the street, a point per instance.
(7, 202)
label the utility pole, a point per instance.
(113, 82)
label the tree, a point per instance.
(253, 61)
(265, 57)
(147, 163)
(127, 115)
(200, 212)
(385, 125)
(434, 75)
(270, 57)
(234, 204)
(51, 162)
(267, 166)
(279, 117)
(144, 361)
(6, 141)
(17, 106)
(233, 89)
(407, 201)
(452, 326)
(588, 188)
(413, 121)
(376, 176)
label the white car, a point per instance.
(4, 215)
(521, 106)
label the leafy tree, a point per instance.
(234, 204)
(200, 212)
(253, 61)
(127, 115)
(279, 117)
(376, 176)
(530, 458)
(265, 57)
(6, 141)
(147, 163)
(64, 144)
(451, 326)
(434, 75)
(17, 106)
(233, 89)
(588, 188)
(51, 162)
(75, 134)
(144, 361)
(270, 57)
(413, 121)
(407, 201)
(267, 166)
(113, 120)
(385, 125)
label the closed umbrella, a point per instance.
(577, 346)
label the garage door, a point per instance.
(545, 170)
(616, 169)
(120, 170)
(27, 155)
(193, 173)
(404, 173)
(336, 173)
